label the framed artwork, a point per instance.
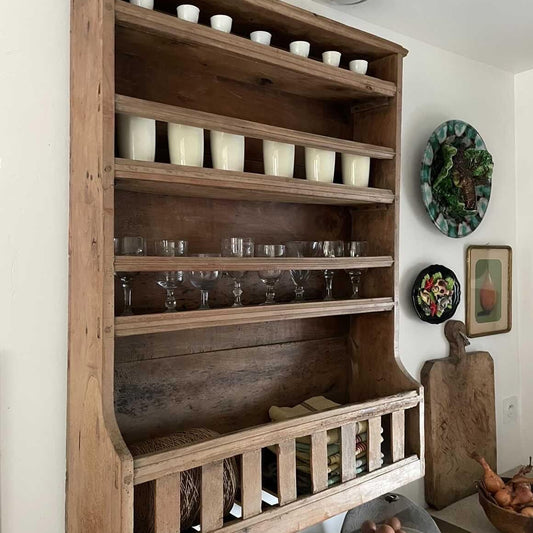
(488, 290)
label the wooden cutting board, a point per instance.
(459, 418)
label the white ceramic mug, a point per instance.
(278, 159)
(136, 137)
(227, 151)
(262, 37)
(186, 145)
(189, 13)
(359, 65)
(300, 48)
(355, 170)
(332, 58)
(221, 23)
(148, 4)
(319, 165)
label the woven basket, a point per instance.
(190, 481)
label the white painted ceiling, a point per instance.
(497, 32)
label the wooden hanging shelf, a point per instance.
(126, 326)
(161, 178)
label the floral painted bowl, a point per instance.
(436, 294)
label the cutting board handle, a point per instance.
(455, 332)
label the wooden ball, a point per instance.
(368, 527)
(385, 529)
(394, 523)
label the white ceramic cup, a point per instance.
(319, 165)
(227, 151)
(359, 65)
(189, 13)
(262, 37)
(332, 58)
(300, 48)
(186, 145)
(221, 23)
(136, 137)
(355, 170)
(148, 4)
(278, 159)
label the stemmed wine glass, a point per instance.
(170, 280)
(205, 280)
(355, 249)
(331, 249)
(300, 277)
(237, 247)
(269, 277)
(128, 246)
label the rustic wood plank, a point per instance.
(319, 461)
(211, 121)
(162, 178)
(212, 506)
(285, 71)
(155, 465)
(167, 493)
(374, 443)
(348, 442)
(187, 320)
(398, 436)
(286, 452)
(251, 484)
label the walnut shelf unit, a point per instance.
(153, 374)
(165, 179)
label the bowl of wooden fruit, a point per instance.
(507, 502)
(393, 525)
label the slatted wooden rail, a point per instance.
(163, 469)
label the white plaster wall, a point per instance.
(34, 73)
(524, 252)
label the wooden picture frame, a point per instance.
(488, 290)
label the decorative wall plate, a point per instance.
(436, 294)
(456, 178)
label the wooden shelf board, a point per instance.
(175, 180)
(126, 263)
(230, 53)
(164, 322)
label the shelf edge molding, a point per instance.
(128, 326)
(201, 119)
(177, 180)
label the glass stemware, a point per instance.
(128, 246)
(300, 277)
(205, 280)
(355, 249)
(269, 277)
(170, 280)
(237, 247)
(331, 249)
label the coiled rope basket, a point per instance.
(190, 481)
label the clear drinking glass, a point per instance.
(330, 249)
(355, 249)
(205, 280)
(128, 246)
(237, 247)
(269, 277)
(300, 277)
(170, 280)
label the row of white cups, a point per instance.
(224, 23)
(137, 141)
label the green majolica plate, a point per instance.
(456, 178)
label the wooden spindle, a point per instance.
(212, 497)
(251, 483)
(398, 435)
(167, 504)
(374, 444)
(319, 461)
(286, 472)
(348, 466)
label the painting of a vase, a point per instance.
(488, 290)
(487, 294)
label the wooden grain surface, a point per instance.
(167, 493)
(286, 453)
(460, 418)
(251, 483)
(319, 461)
